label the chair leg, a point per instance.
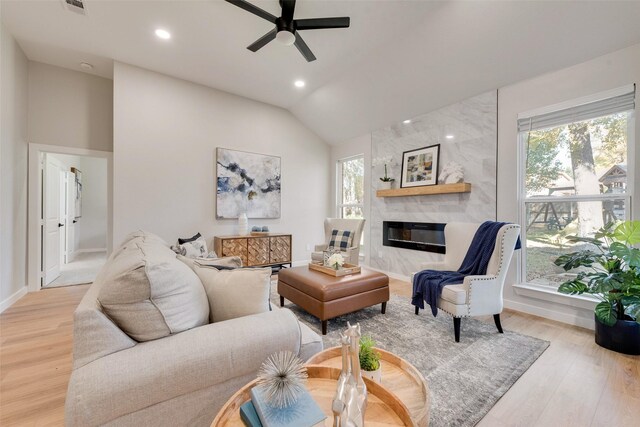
(456, 328)
(417, 310)
(496, 318)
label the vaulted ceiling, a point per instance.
(398, 59)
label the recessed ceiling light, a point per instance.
(163, 34)
(86, 66)
(406, 122)
(299, 83)
(449, 136)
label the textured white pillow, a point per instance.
(235, 293)
(149, 294)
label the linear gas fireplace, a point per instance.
(421, 236)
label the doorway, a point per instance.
(74, 204)
(69, 215)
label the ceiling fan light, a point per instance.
(285, 37)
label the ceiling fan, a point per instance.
(286, 30)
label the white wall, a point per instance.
(606, 72)
(91, 227)
(354, 147)
(69, 108)
(166, 132)
(13, 177)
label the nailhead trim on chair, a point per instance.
(500, 265)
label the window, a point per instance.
(351, 187)
(574, 175)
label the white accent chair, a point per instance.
(352, 255)
(477, 295)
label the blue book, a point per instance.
(249, 416)
(304, 413)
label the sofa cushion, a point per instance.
(235, 293)
(149, 294)
(455, 294)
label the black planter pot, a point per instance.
(623, 337)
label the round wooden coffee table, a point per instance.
(398, 376)
(389, 404)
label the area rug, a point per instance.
(465, 379)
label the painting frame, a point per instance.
(415, 172)
(247, 182)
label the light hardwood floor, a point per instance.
(574, 383)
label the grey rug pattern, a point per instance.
(465, 379)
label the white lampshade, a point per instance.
(285, 37)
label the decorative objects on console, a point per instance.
(247, 182)
(420, 166)
(243, 224)
(452, 173)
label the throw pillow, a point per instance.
(149, 294)
(189, 239)
(235, 293)
(340, 239)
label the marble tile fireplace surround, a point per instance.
(467, 134)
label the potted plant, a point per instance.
(387, 181)
(370, 359)
(611, 273)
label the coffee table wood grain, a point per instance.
(398, 376)
(384, 408)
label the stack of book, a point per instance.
(258, 413)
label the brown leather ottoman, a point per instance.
(327, 297)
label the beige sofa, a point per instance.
(182, 379)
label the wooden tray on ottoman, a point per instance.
(398, 375)
(344, 271)
(383, 407)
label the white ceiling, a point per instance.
(399, 59)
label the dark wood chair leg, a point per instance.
(324, 327)
(456, 328)
(417, 310)
(384, 307)
(281, 301)
(496, 318)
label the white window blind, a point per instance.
(578, 113)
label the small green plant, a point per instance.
(369, 357)
(386, 178)
(611, 273)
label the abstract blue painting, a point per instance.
(247, 182)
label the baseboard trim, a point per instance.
(300, 263)
(90, 250)
(13, 298)
(567, 318)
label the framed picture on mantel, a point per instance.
(420, 167)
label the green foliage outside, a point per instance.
(369, 357)
(610, 272)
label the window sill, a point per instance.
(547, 294)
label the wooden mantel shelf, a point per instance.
(462, 187)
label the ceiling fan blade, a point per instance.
(304, 49)
(288, 7)
(262, 41)
(322, 23)
(253, 9)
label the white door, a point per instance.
(70, 221)
(52, 224)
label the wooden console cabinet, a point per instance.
(259, 250)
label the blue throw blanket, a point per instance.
(428, 284)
